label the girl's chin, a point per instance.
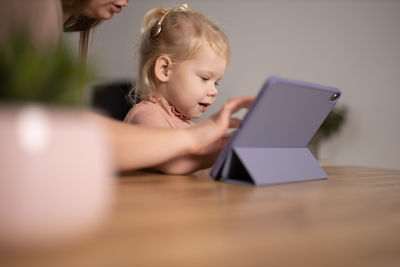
(193, 117)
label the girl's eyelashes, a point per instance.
(205, 78)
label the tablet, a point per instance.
(270, 144)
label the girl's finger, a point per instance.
(234, 122)
(231, 106)
(235, 104)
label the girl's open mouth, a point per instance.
(203, 106)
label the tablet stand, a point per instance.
(270, 165)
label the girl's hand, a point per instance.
(208, 136)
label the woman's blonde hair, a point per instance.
(179, 33)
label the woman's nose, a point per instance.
(123, 3)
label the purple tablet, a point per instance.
(270, 145)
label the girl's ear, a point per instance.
(162, 68)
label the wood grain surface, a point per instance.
(351, 219)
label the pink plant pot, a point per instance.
(56, 179)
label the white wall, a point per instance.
(353, 45)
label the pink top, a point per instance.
(156, 112)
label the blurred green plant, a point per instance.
(332, 125)
(50, 75)
(333, 122)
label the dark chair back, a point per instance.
(112, 98)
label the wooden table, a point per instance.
(351, 219)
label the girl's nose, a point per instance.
(213, 91)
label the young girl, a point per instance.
(182, 56)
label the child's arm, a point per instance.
(136, 147)
(191, 163)
(187, 165)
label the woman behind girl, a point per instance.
(182, 57)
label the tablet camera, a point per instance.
(334, 97)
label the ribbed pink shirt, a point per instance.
(156, 112)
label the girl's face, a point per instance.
(103, 9)
(192, 86)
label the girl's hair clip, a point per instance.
(156, 29)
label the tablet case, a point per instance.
(270, 145)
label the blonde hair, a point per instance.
(179, 33)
